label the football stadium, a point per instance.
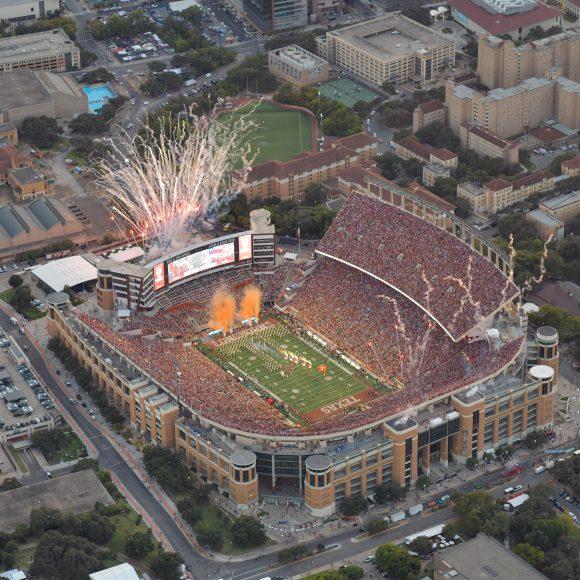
(398, 347)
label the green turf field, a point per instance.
(260, 355)
(278, 134)
(347, 92)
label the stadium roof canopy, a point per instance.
(71, 271)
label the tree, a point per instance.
(98, 75)
(471, 463)
(156, 66)
(139, 544)
(208, 537)
(530, 554)
(389, 492)
(534, 439)
(376, 526)
(64, 557)
(422, 545)
(497, 527)
(397, 562)
(293, 553)
(166, 565)
(389, 164)
(20, 298)
(248, 531)
(49, 442)
(44, 519)
(352, 572)
(15, 280)
(353, 505)
(314, 194)
(188, 511)
(41, 131)
(438, 135)
(423, 482)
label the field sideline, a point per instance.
(286, 365)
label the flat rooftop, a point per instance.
(390, 37)
(74, 493)
(21, 88)
(483, 558)
(298, 57)
(39, 44)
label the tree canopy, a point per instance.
(248, 531)
(40, 131)
(397, 562)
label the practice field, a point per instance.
(291, 369)
(278, 134)
(347, 92)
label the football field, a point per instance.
(295, 370)
(277, 133)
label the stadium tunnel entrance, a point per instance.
(281, 474)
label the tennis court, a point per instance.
(278, 134)
(347, 92)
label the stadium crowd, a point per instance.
(439, 272)
(361, 316)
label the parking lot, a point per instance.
(25, 402)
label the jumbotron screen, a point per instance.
(200, 261)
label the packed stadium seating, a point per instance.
(450, 280)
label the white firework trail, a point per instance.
(176, 177)
(467, 299)
(512, 254)
(528, 283)
(400, 327)
(422, 344)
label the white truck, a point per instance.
(190, 82)
(398, 516)
(416, 509)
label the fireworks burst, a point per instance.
(533, 280)
(175, 178)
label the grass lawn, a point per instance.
(269, 353)
(70, 451)
(31, 312)
(126, 525)
(278, 134)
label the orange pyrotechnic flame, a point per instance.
(250, 303)
(223, 308)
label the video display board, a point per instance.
(245, 247)
(201, 261)
(159, 276)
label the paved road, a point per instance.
(108, 456)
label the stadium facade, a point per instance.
(461, 376)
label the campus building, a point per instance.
(389, 48)
(276, 15)
(325, 9)
(517, 110)
(8, 134)
(325, 468)
(484, 142)
(433, 111)
(564, 207)
(546, 226)
(22, 11)
(571, 167)
(294, 65)
(503, 64)
(289, 180)
(572, 6)
(51, 50)
(515, 18)
(27, 93)
(498, 194)
(26, 184)
(412, 148)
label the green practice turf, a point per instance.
(259, 356)
(346, 92)
(277, 134)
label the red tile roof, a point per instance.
(532, 178)
(431, 106)
(487, 135)
(498, 24)
(427, 195)
(356, 141)
(572, 163)
(443, 154)
(497, 184)
(548, 134)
